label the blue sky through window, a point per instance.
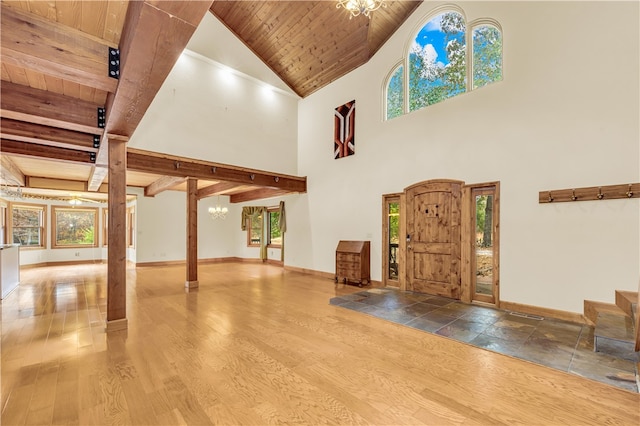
(431, 34)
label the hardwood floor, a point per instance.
(257, 345)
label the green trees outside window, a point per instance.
(395, 93)
(74, 227)
(255, 230)
(28, 226)
(437, 63)
(275, 236)
(487, 55)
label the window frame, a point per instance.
(131, 215)
(105, 227)
(4, 208)
(385, 91)
(477, 23)
(470, 26)
(249, 229)
(54, 227)
(43, 223)
(433, 13)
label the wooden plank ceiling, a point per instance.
(60, 103)
(309, 44)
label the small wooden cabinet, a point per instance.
(352, 262)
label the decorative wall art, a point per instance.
(344, 134)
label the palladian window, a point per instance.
(439, 65)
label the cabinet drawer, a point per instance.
(352, 274)
(347, 265)
(347, 257)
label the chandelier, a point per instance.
(358, 7)
(218, 212)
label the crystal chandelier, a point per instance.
(358, 7)
(218, 212)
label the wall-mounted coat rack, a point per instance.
(592, 193)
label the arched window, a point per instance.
(437, 61)
(435, 64)
(395, 92)
(487, 55)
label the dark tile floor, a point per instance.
(557, 344)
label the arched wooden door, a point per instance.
(433, 217)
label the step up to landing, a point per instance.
(614, 335)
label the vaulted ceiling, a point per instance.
(61, 102)
(309, 44)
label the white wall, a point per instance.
(230, 51)
(162, 228)
(207, 112)
(566, 115)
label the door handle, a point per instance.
(409, 248)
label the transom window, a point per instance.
(395, 93)
(487, 55)
(74, 227)
(437, 62)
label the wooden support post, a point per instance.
(117, 239)
(192, 233)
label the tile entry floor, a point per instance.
(554, 343)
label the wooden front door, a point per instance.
(433, 216)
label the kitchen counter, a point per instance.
(9, 268)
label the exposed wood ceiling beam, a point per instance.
(96, 177)
(49, 47)
(216, 188)
(37, 133)
(163, 164)
(11, 172)
(24, 103)
(154, 35)
(256, 194)
(101, 169)
(60, 184)
(43, 151)
(163, 184)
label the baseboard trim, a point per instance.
(328, 275)
(63, 263)
(210, 261)
(544, 312)
(117, 325)
(315, 273)
(163, 263)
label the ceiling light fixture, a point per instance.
(218, 212)
(361, 7)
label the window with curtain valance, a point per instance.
(265, 227)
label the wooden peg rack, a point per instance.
(592, 193)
